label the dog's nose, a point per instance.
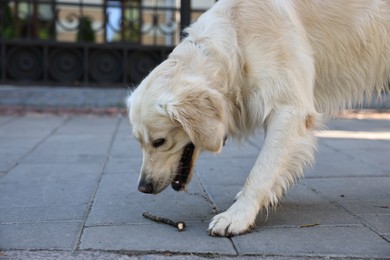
(145, 187)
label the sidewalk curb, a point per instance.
(111, 111)
(20, 110)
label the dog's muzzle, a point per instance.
(184, 168)
(145, 187)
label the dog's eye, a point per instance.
(158, 142)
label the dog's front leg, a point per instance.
(289, 145)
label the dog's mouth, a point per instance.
(184, 169)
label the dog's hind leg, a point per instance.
(289, 146)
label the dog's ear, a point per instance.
(201, 114)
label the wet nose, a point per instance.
(145, 187)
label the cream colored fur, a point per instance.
(246, 65)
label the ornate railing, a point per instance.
(87, 42)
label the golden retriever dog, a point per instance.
(277, 65)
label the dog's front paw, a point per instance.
(238, 219)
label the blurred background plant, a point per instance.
(85, 32)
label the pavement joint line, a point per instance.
(214, 208)
(261, 228)
(355, 216)
(124, 224)
(233, 245)
(359, 219)
(98, 180)
(316, 191)
(142, 253)
(207, 197)
(41, 222)
(134, 224)
(53, 131)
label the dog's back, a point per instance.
(346, 43)
(351, 47)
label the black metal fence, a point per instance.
(95, 42)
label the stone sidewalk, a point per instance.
(68, 190)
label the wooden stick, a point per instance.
(180, 225)
(309, 225)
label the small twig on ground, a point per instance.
(180, 225)
(309, 225)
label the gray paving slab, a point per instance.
(77, 190)
(32, 125)
(80, 138)
(380, 223)
(32, 196)
(366, 206)
(151, 238)
(223, 178)
(358, 125)
(75, 145)
(349, 145)
(21, 135)
(122, 148)
(56, 157)
(333, 163)
(64, 255)
(125, 205)
(126, 147)
(341, 189)
(45, 192)
(379, 160)
(14, 214)
(302, 207)
(10, 158)
(315, 241)
(123, 165)
(39, 235)
(363, 150)
(89, 125)
(20, 144)
(288, 216)
(5, 119)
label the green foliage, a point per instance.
(8, 31)
(130, 34)
(85, 31)
(13, 27)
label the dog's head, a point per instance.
(174, 117)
